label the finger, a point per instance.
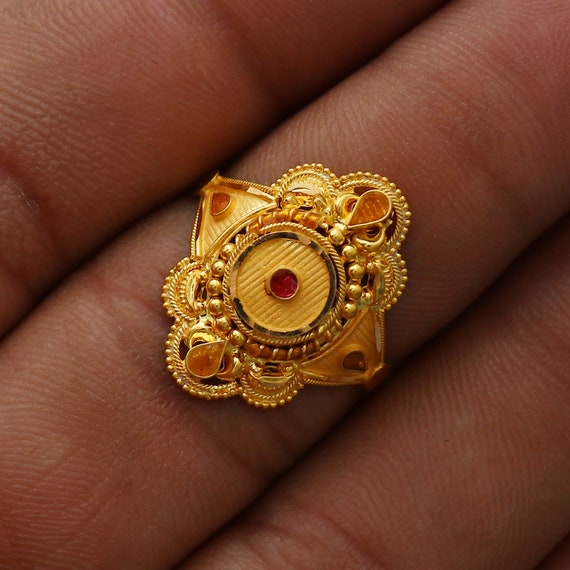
(119, 477)
(462, 462)
(119, 104)
(559, 559)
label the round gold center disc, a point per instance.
(266, 313)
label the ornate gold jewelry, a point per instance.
(286, 285)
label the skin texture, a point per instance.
(109, 112)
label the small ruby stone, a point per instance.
(283, 284)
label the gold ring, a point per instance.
(286, 285)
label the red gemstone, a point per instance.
(283, 284)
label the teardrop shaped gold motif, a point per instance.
(372, 207)
(220, 202)
(204, 360)
(355, 361)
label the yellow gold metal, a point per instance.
(286, 285)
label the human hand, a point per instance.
(109, 110)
